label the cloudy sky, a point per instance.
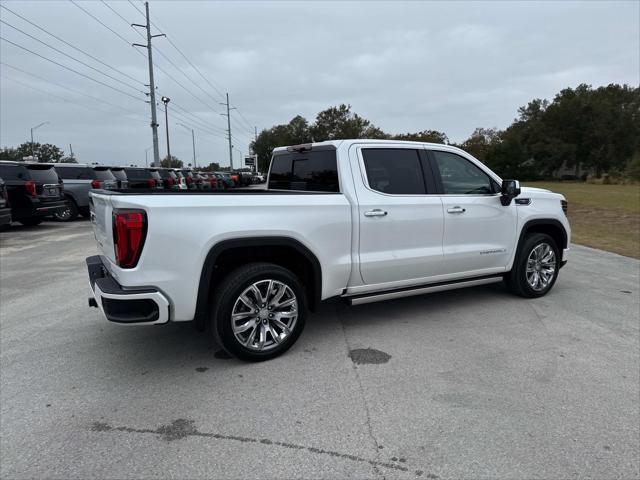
(406, 66)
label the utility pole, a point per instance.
(228, 115)
(71, 151)
(255, 155)
(152, 85)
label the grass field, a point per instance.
(602, 216)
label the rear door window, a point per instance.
(396, 171)
(312, 171)
(43, 175)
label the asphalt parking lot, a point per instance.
(472, 383)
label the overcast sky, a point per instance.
(406, 66)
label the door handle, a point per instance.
(456, 210)
(375, 213)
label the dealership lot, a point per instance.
(471, 383)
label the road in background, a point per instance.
(471, 383)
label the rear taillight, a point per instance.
(129, 231)
(170, 181)
(152, 183)
(30, 185)
(95, 184)
(188, 180)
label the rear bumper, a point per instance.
(139, 305)
(48, 208)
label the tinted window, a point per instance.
(394, 170)
(119, 174)
(75, 173)
(103, 174)
(155, 175)
(460, 176)
(13, 172)
(137, 174)
(314, 171)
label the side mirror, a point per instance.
(510, 190)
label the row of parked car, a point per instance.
(30, 192)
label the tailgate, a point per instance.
(101, 218)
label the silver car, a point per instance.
(78, 180)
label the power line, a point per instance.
(248, 124)
(49, 94)
(71, 69)
(168, 59)
(79, 92)
(71, 57)
(71, 45)
(105, 26)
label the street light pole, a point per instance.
(193, 142)
(166, 101)
(32, 129)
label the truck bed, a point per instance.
(234, 191)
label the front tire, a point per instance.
(258, 311)
(535, 268)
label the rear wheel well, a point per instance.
(229, 255)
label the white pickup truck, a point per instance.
(364, 220)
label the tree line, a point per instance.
(582, 130)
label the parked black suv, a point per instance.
(5, 209)
(34, 189)
(143, 178)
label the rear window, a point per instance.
(167, 173)
(103, 174)
(313, 171)
(155, 175)
(137, 174)
(13, 172)
(43, 175)
(76, 173)
(119, 174)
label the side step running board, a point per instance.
(410, 292)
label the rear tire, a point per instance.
(31, 222)
(258, 311)
(68, 213)
(535, 268)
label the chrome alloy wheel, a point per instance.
(541, 267)
(264, 315)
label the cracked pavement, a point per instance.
(473, 383)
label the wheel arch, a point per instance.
(284, 251)
(550, 226)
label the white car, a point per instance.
(363, 220)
